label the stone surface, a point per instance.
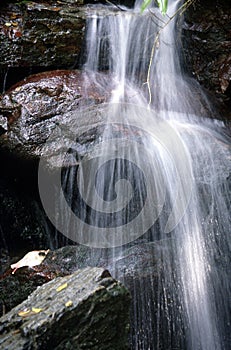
(139, 266)
(37, 33)
(85, 310)
(15, 288)
(21, 222)
(127, 265)
(43, 33)
(46, 103)
(207, 47)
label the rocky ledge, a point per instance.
(46, 103)
(85, 310)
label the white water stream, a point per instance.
(185, 158)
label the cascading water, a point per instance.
(180, 299)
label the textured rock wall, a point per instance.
(41, 34)
(86, 310)
(207, 47)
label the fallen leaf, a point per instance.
(14, 15)
(8, 24)
(68, 303)
(63, 286)
(36, 310)
(24, 313)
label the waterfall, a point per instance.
(161, 156)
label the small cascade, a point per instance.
(152, 194)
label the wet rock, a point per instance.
(85, 310)
(139, 266)
(43, 103)
(116, 3)
(22, 227)
(129, 264)
(41, 33)
(3, 124)
(16, 287)
(37, 36)
(50, 34)
(4, 259)
(135, 259)
(207, 44)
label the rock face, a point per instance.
(41, 34)
(139, 266)
(32, 109)
(136, 265)
(207, 46)
(46, 35)
(21, 225)
(37, 36)
(85, 310)
(14, 288)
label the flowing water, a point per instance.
(162, 157)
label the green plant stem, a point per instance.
(180, 11)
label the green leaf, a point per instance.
(145, 4)
(163, 5)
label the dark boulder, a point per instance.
(15, 286)
(128, 264)
(41, 33)
(207, 47)
(85, 310)
(22, 225)
(43, 103)
(37, 36)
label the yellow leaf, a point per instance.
(63, 286)
(13, 15)
(68, 303)
(24, 313)
(36, 310)
(7, 24)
